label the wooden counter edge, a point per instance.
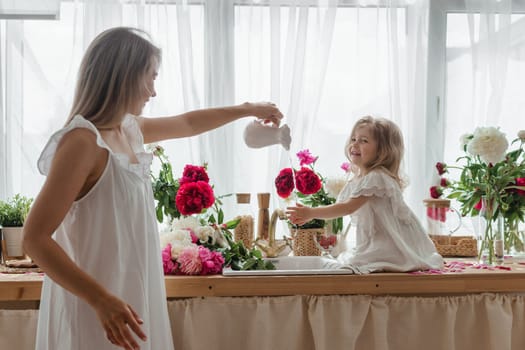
(375, 284)
(20, 290)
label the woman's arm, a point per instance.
(196, 122)
(78, 162)
(300, 214)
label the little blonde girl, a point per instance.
(389, 237)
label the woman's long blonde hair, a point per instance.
(390, 146)
(111, 75)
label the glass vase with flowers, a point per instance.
(491, 185)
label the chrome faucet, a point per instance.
(271, 247)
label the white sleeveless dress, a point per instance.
(111, 234)
(389, 237)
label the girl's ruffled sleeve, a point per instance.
(375, 183)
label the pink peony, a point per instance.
(194, 238)
(190, 261)
(212, 261)
(346, 167)
(168, 265)
(305, 157)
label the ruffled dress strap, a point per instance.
(131, 128)
(48, 153)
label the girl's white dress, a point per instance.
(111, 234)
(389, 237)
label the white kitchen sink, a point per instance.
(295, 265)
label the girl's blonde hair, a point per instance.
(111, 75)
(390, 145)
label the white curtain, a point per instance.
(42, 59)
(325, 63)
(281, 53)
(485, 70)
(328, 65)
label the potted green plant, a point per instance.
(12, 216)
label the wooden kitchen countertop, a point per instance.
(471, 279)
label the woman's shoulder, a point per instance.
(78, 139)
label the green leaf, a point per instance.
(220, 218)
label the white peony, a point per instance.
(178, 240)
(334, 186)
(489, 143)
(204, 232)
(521, 135)
(218, 238)
(189, 222)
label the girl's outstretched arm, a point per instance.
(300, 214)
(202, 120)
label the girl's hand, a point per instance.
(299, 215)
(118, 318)
(266, 111)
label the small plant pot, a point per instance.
(12, 242)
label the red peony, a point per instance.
(193, 197)
(436, 191)
(441, 168)
(307, 181)
(284, 182)
(193, 173)
(444, 182)
(520, 181)
(479, 205)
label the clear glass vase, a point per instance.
(490, 233)
(514, 239)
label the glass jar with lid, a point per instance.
(244, 229)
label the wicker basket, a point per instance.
(304, 241)
(465, 246)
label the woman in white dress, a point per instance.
(92, 228)
(389, 236)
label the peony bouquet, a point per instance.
(309, 188)
(187, 248)
(197, 242)
(490, 177)
(191, 194)
(486, 169)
